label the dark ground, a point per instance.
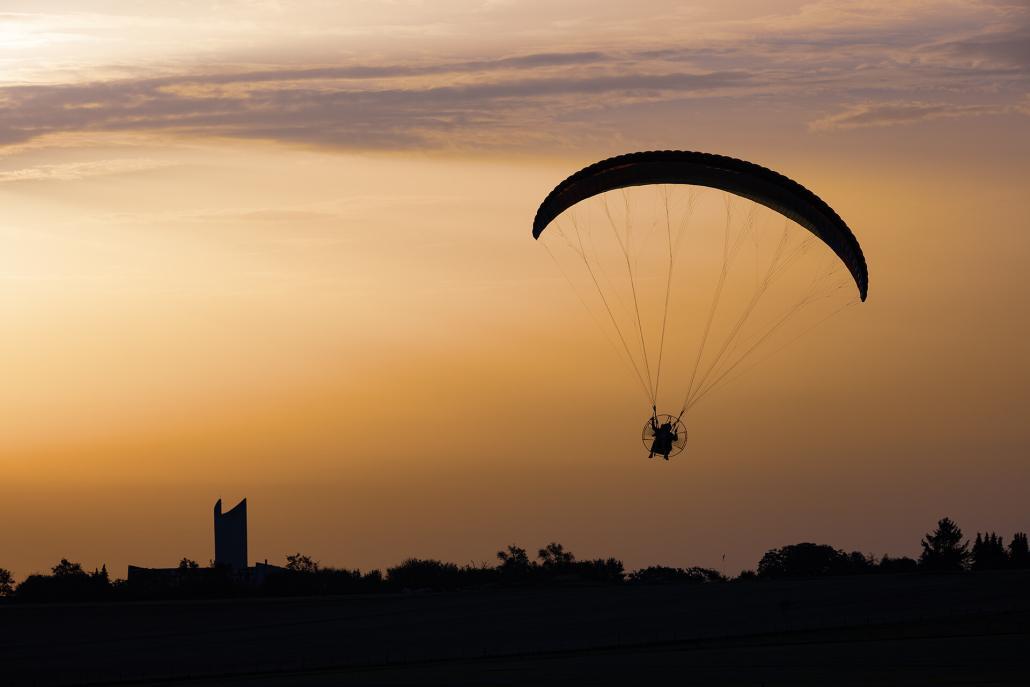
(963, 629)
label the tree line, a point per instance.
(943, 550)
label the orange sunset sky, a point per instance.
(281, 250)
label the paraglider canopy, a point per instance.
(738, 177)
(693, 264)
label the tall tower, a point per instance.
(231, 535)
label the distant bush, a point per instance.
(813, 560)
(416, 573)
(903, 564)
(659, 574)
(600, 570)
(68, 582)
(322, 581)
(186, 581)
(859, 563)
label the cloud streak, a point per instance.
(908, 62)
(73, 171)
(881, 114)
(326, 107)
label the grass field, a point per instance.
(878, 629)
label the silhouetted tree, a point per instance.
(904, 564)
(989, 552)
(515, 566)
(298, 562)
(69, 582)
(1019, 552)
(859, 563)
(554, 555)
(803, 560)
(604, 570)
(943, 549)
(416, 573)
(6, 582)
(67, 569)
(513, 559)
(188, 564)
(372, 580)
(705, 574)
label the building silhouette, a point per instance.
(230, 561)
(231, 535)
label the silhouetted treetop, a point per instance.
(943, 549)
(859, 562)
(809, 560)
(298, 562)
(513, 559)
(66, 568)
(417, 573)
(6, 582)
(69, 582)
(1019, 552)
(989, 552)
(554, 555)
(903, 564)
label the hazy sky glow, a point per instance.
(281, 250)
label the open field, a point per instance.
(890, 629)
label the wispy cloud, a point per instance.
(71, 171)
(339, 106)
(894, 113)
(906, 61)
